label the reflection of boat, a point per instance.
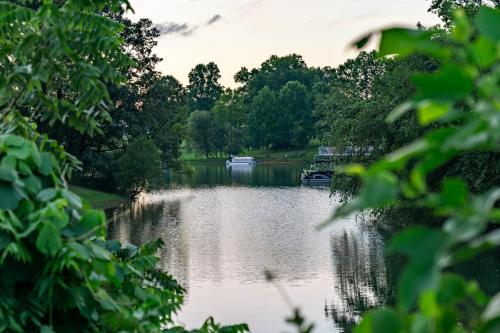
(321, 171)
(240, 168)
(238, 161)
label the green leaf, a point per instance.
(49, 240)
(405, 42)
(493, 309)
(429, 112)
(33, 184)
(399, 111)
(462, 30)
(360, 43)
(488, 23)
(8, 197)
(378, 189)
(428, 304)
(47, 194)
(45, 164)
(47, 329)
(484, 52)
(452, 289)
(72, 198)
(100, 252)
(7, 173)
(423, 246)
(450, 83)
(106, 301)
(21, 153)
(380, 321)
(4, 240)
(81, 251)
(15, 141)
(92, 218)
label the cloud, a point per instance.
(214, 19)
(172, 28)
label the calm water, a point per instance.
(223, 228)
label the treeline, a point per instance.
(282, 104)
(272, 108)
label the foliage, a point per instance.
(279, 96)
(57, 272)
(230, 114)
(163, 118)
(201, 131)
(462, 97)
(204, 87)
(148, 105)
(139, 169)
(295, 104)
(264, 124)
(54, 76)
(445, 8)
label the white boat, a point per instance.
(236, 161)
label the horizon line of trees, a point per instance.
(282, 104)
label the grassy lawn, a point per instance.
(261, 155)
(98, 199)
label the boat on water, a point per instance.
(320, 172)
(241, 161)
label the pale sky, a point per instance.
(236, 33)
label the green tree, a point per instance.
(296, 107)
(264, 111)
(231, 115)
(200, 131)
(204, 88)
(139, 169)
(163, 118)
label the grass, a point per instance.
(261, 155)
(98, 199)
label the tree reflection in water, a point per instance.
(145, 220)
(360, 273)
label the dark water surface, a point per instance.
(224, 227)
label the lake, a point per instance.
(223, 228)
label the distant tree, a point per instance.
(200, 131)
(275, 72)
(242, 76)
(164, 119)
(445, 8)
(296, 109)
(139, 169)
(235, 140)
(204, 87)
(230, 114)
(265, 119)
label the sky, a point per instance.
(236, 33)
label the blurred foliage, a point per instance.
(460, 102)
(57, 271)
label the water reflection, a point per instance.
(219, 240)
(360, 275)
(280, 174)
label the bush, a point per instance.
(139, 169)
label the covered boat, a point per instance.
(235, 161)
(320, 172)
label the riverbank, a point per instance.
(261, 155)
(99, 199)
